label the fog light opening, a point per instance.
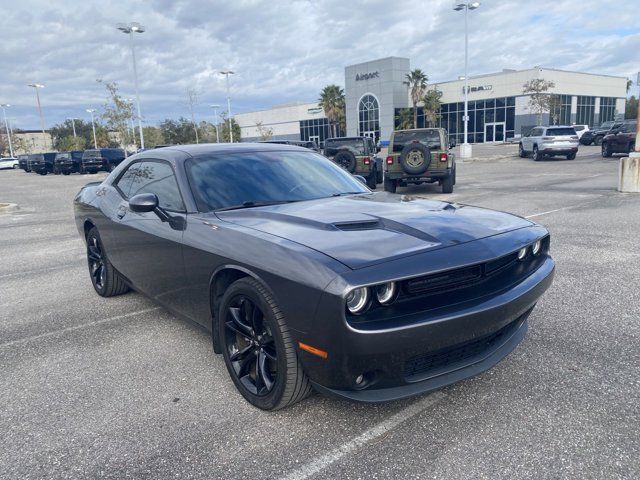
(359, 379)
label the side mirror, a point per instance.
(361, 179)
(144, 202)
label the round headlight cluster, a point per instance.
(536, 248)
(358, 299)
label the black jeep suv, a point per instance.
(23, 161)
(357, 155)
(68, 162)
(101, 159)
(620, 140)
(41, 163)
(596, 135)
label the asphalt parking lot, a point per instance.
(119, 388)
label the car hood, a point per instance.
(363, 230)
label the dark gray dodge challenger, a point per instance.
(305, 278)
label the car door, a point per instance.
(148, 251)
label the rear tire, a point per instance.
(571, 156)
(537, 156)
(447, 184)
(106, 280)
(265, 367)
(390, 185)
(372, 180)
(632, 147)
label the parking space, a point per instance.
(119, 388)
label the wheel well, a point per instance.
(219, 284)
(88, 225)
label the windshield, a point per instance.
(113, 154)
(333, 146)
(233, 179)
(428, 137)
(606, 125)
(63, 156)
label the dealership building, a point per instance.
(375, 96)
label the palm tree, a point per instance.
(416, 80)
(332, 101)
(403, 119)
(431, 101)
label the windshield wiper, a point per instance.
(252, 203)
(345, 193)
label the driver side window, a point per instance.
(157, 178)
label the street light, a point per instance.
(38, 86)
(73, 125)
(227, 73)
(130, 29)
(93, 125)
(215, 115)
(4, 106)
(465, 148)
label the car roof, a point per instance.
(183, 152)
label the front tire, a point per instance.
(606, 150)
(390, 185)
(521, 152)
(598, 140)
(106, 280)
(258, 349)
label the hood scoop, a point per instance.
(358, 225)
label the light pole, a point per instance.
(37, 86)
(215, 116)
(73, 125)
(133, 129)
(93, 125)
(130, 29)
(465, 148)
(6, 126)
(227, 73)
(637, 142)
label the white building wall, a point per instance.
(284, 120)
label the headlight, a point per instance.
(357, 300)
(386, 293)
(522, 253)
(537, 246)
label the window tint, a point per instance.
(158, 178)
(427, 137)
(125, 181)
(579, 128)
(113, 153)
(629, 127)
(332, 146)
(555, 132)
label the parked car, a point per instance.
(307, 279)
(41, 163)
(595, 135)
(620, 140)
(549, 142)
(9, 162)
(68, 162)
(101, 159)
(300, 143)
(581, 130)
(357, 155)
(418, 156)
(23, 161)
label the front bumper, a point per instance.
(92, 166)
(444, 348)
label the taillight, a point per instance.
(443, 157)
(366, 160)
(389, 160)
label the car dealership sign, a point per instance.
(366, 76)
(478, 88)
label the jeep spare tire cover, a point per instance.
(415, 158)
(346, 159)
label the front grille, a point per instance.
(457, 354)
(444, 281)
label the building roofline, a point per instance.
(510, 71)
(278, 107)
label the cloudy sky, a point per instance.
(285, 50)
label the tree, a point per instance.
(207, 132)
(629, 84)
(403, 119)
(64, 130)
(631, 107)
(117, 113)
(332, 102)
(540, 100)
(192, 101)
(264, 132)
(177, 132)
(416, 80)
(224, 129)
(153, 136)
(431, 109)
(70, 142)
(555, 107)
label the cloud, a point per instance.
(283, 50)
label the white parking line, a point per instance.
(599, 199)
(77, 327)
(383, 427)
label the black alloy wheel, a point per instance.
(250, 345)
(106, 281)
(521, 151)
(598, 140)
(258, 349)
(606, 149)
(537, 156)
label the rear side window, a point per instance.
(354, 144)
(629, 127)
(113, 154)
(556, 132)
(158, 178)
(579, 128)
